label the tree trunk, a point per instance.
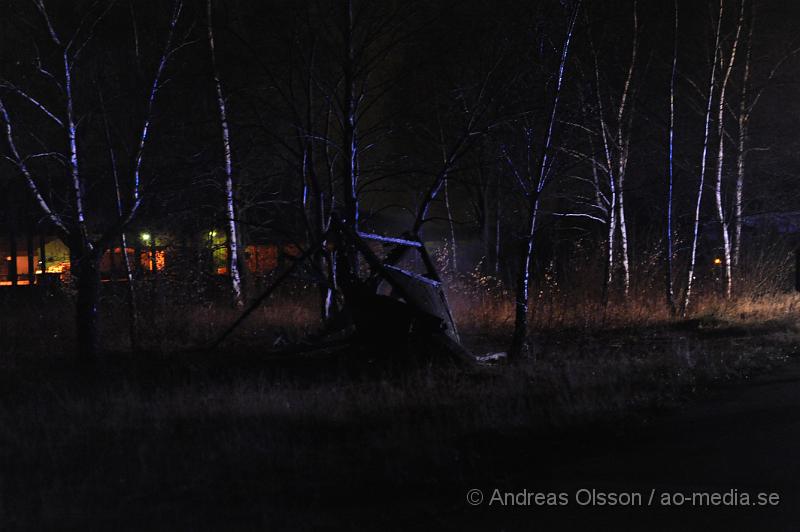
(349, 267)
(723, 222)
(520, 335)
(133, 314)
(701, 184)
(453, 249)
(623, 230)
(608, 282)
(230, 207)
(669, 292)
(623, 141)
(543, 169)
(739, 198)
(744, 121)
(87, 272)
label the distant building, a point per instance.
(30, 259)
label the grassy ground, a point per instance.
(170, 439)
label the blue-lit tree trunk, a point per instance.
(615, 131)
(231, 229)
(701, 184)
(741, 154)
(668, 252)
(349, 264)
(750, 97)
(72, 226)
(536, 184)
(721, 215)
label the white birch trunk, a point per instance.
(612, 209)
(612, 231)
(85, 253)
(616, 161)
(669, 291)
(19, 161)
(230, 206)
(623, 230)
(623, 139)
(744, 120)
(721, 217)
(701, 184)
(72, 146)
(519, 337)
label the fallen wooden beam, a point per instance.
(390, 240)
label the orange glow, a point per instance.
(58, 267)
(718, 261)
(8, 257)
(147, 263)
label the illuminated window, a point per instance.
(58, 267)
(146, 260)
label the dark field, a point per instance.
(177, 438)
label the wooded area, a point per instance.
(571, 146)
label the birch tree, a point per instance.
(615, 134)
(317, 108)
(532, 177)
(668, 252)
(85, 233)
(233, 243)
(701, 182)
(298, 116)
(722, 218)
(749, 98)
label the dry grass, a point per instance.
(207, 438)
(168, 440)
